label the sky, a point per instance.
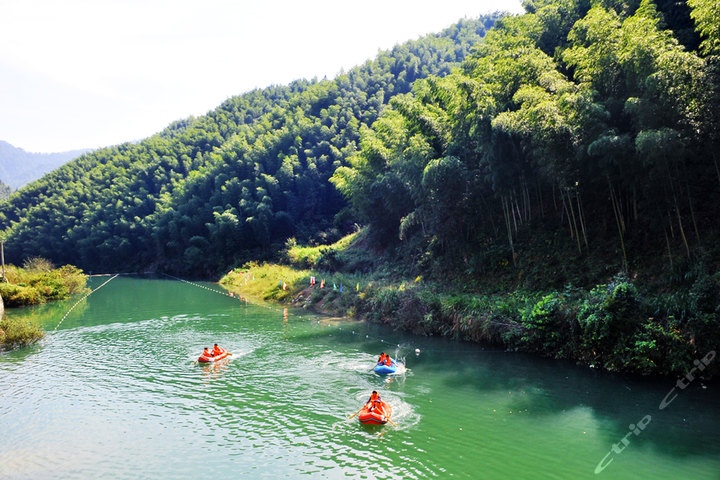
(79, 74)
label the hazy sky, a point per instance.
(92, 73)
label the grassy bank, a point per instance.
(34, 283)
(618, 325)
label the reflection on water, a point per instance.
(48, 315)
(213, 370)
(117, 387)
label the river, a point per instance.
(114, 392)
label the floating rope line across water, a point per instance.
(226, 294)
(83, 298)
(68, 313)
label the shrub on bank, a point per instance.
(659, 349)
(39, 283)
(609, 317)
(550, 325)
(18, 332)
(19, 295)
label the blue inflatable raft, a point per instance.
(382, 369)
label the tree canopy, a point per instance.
(233, 185)
(585, 117)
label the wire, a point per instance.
(226, 294)
(83, 298)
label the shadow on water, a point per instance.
(369, 428)
(546, 387)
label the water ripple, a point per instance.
(117, 387)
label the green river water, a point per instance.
(114, 393)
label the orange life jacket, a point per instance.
(388, 360)
(217, 351)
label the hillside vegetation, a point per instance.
(557, 194)
(228, 187)
(576, 148)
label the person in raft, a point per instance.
(216, 350)
(374, 402)
(207, 353)
(382, 359)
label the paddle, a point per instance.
(388, 419)
(351, 416)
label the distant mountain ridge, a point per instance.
(18, 167)
(5, 190)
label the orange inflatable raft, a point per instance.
(378, 416)
(206, 359)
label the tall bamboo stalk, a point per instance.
(582, 218)
(506, 214)
(619, 225)
(574, 222)
(567, 212)
(682, 230)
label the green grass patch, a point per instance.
(265, 281)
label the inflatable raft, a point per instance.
(205, 359)
(382, 369)
(378, 416)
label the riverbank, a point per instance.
(618, 326)
(35, 283)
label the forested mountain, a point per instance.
(578, 139)
(230, 186)
(574, 157)
(18, 167)
(580, 135)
